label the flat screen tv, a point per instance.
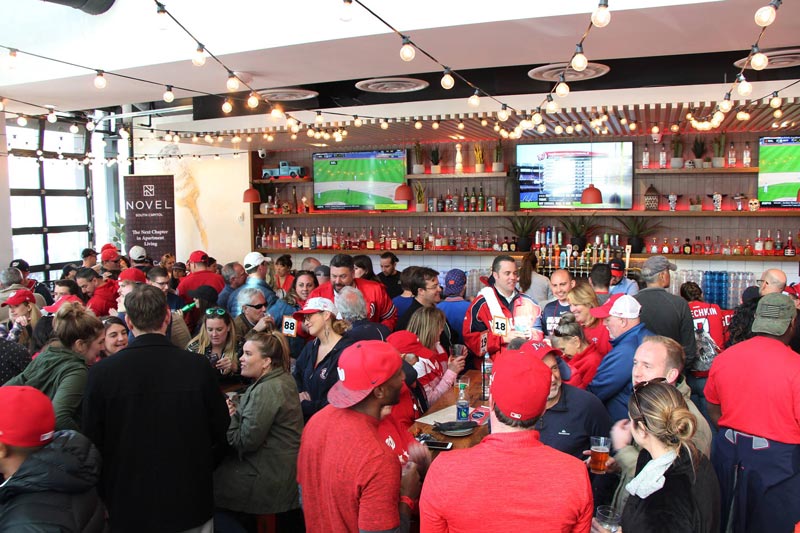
(779, 171)
(359, 180)
(555, 175)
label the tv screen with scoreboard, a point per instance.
(555, 175)
(359, 180)
(779, 171)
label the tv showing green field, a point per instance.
(359, 180)
(779, 171)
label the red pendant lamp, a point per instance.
(403, 192)
(251, 196)
(591, 195)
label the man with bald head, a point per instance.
(772, 281)
(561, 282)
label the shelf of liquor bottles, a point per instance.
(672, 171)
(462, 175)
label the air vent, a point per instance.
(288, 94)
(391, 85)
(789, 57)
(553, 71)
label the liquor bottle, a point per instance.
(726, 249)
(473, 201)
(473, 242)
(758, 244)
(320, 237)
(778, 243)
(393, 242)
(697, 248)
(448, 202)
(306, 240)
(481, 200)
(769, 244)
(665, 247)
(737, 248)
(371, 240)
(437, 240)
(732, 156)
(295, 204)
(418, 242)
(313, 240)
(409, 240)
(506, 246)
(293, 239)
(748, 248)
(708, 247)
(329, 239)
(687, 247)
(282, 238)
(662, 157)
(746, 155)
(789, 250)
(462, 404)
(646, 157)
(440, 204)
(717, 247)
(259, 237)
(464, 205)
(653, 248)
(431, 238)
(513, 246)
(676, 246)
(459, 240)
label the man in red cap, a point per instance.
(110, 262)
(50, 477)
(102, 293)
(542, 487)
(199, 274)
(350, 480)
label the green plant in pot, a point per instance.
(677, 152)
(497, 164)
(436, 160)
(638, 229)
(523, 227)
(419, 159)
(718, 147)
(419, 196)
(580, 228)
(699, 150)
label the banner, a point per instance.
(150, 214)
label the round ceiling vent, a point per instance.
(552, 72)
(288, 94)
(789, 57)
(391, 85)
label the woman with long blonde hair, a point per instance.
(217, 341)
(23, 314)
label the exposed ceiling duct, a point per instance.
(92, 7)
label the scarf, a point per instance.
(651, 478)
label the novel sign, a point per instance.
(150, 214)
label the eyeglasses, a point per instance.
(215, 311)
(161, 284)
(434, 288)
(256, 306)
(636, 388)
(760, 281)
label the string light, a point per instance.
(227, 106)
(447, 79)
(778, 113)
(541, 128)
(435, 125)
(11, 59)
(252, 101)
(22, 121)
(484, 122)
(758, 60)
(632, 126)
(357, 122)
(579, 61)
(537, 117)
(601, 16)
(475, 99)
(766, 14)
(418, 125)
(233, 82)
(74, 129)
(90, 125)
(168, 137)
(195, 138)
(559, 129)
(562, 89)
(169, 96)
(726, 105)
(496, 126)
(675, 128)
(384, 124)
(502, 115)
(346, 11)
(569, 129)
(100, 81)
(199, 57)
(277, 112)
(655, 129)
(775, 102)
(310, 132)
(319, 118)
(744, 87)
(461, 124)
(208, 138)
(551, 106)
(51, 116)
(407, 52)
(578, 127)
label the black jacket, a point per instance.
(317, 379)
(689, 501)
(54, 489)
(158, 417)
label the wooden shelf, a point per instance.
(782, 213)
(699, 257)
(485, 175)
(281, 181)
(403, 214)
(727, 170)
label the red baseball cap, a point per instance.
(407, 342)
(619, 305)
(27, 418)
(53, 308)
(132, 274)
(541, 349)
(362, 367)
(108, 246)
(109, 254)
(520, 384)
(198, 256)
(20, 297)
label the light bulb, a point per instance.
(407, 52)
(195, 138)
(689, 116)
(270, 138)
(776, 101)
(559, 129)
(726, 105)
(562, 89)
(227, 106)
(318, 135)
(326, 136)
(496, 126)
(169, 96)
(220, 138)
(384, 125)
(52, 118)
(319, 119)
(484, 122)
(460, 125)
(176, 138)
(601, 16)
(22, 121)
(252, 101)
(216, 157)
(100, 80)
(346, 11)
(632, 126)
(569, 129)
(295, 128)
(777, 113)
(168, 137)
(759, 61)
(745, 88)
(579, 61)
(122, 133)
(504, 134)
(623, 120)
(537, 118)
(578, 127)
(447, 80)
(502, 115)
(90, 126)
(74, 129)
(418, 125)
(435, 125)
(199, 57)
(276, 112)
(675, 128)
(236, 139)
(475, 99)
(655, 129)
(741, 115)
(233, 82)
(718, 116)
(344, 133)
(552, 106)
(310, 132)
(541, 128)
(765, 15)
(10, 61)
(208, 138)
(357, 122)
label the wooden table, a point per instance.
(449, 398)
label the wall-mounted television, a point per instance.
(359, 180)
(779, 171)
(555, 175)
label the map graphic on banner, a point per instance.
(150, 214)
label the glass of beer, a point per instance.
(600, 448)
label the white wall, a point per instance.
(5, 198)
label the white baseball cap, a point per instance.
(252, 260)
(137, 253)
(619, 305)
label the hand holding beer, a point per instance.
(600, 447)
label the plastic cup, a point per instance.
(600, 447)
(457, 350)
(608, 517)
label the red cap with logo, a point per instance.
(132, 274)
(61, 301)
(109, 254)
(20, 297)
(27, 418)
(198, 256)
(520, 385)
(363, 366)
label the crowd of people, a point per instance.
(162, 396)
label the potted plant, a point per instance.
(477, 149)
(696, 203)
(581, 228)
(436, 167)
(718, 146)
(497, 165)
(419, 159)
(699, 150)
(419, 196)
(677, 152)
(523, 227)
(638, 229)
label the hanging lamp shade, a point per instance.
(251, 196)
(591, 195)
(403, 192)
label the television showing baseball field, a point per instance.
(359, 180)
(779, 171)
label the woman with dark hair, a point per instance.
(68, 272)
(532, 283)
(281, 311)
(116, 335)
(259, 475)
(580, 354)
(203, 297)
(705, 315)
(217, 340)
(363, 268)
(283, 275)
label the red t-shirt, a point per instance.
(756, 383)
(104, 298)
(709, 316)
(584, 366)
(598, 334)
(349, 478)
(542, 489)
(195, 279)
(287, 283)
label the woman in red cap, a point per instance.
(22, 317)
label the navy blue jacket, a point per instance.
(317, 380)
(568, 425)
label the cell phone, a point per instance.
(438, 445)
(214, 359)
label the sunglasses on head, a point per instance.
(256, 306)
(636, 388)
(215, 311)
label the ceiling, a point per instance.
(665, 60)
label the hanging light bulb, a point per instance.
(726, 105)
(318, 135)
(632, 126)
(655, 129)
(504, 134)
(741, 115)
(236, 139)
(407, 52)
(90, 125)
(418, 125)
(484, 122)
(559, 129)
(562, 89)
(100, 80)
(675, 128)
(435, 125)
(168, 137)
(227, 106)
(122, 133)
(195, 138)
(346, 11)
(326, 135)
(776, 101)
(319, 119)
(168, 95)
(233, 82)
(276, 112)
(10, 60)
(357, 122)
(208, 138)
(460, 125)
(541, 128)
(766, 15)
(578, 127)
(270, 138)
(552, 106)
(502, 115)
(569, 129)
(51, 117)
(176, 138)
(447, 79)
(384, 124)
(778, 113)
(220, 138)
(74, 129)
(310, 132)
(537, 117)
(496, 126)
(22, 121)
(601, 16)
(579, 61)
(744, 88)
(475, 99)
(252, 101)
(758, 60)
(199, 57)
